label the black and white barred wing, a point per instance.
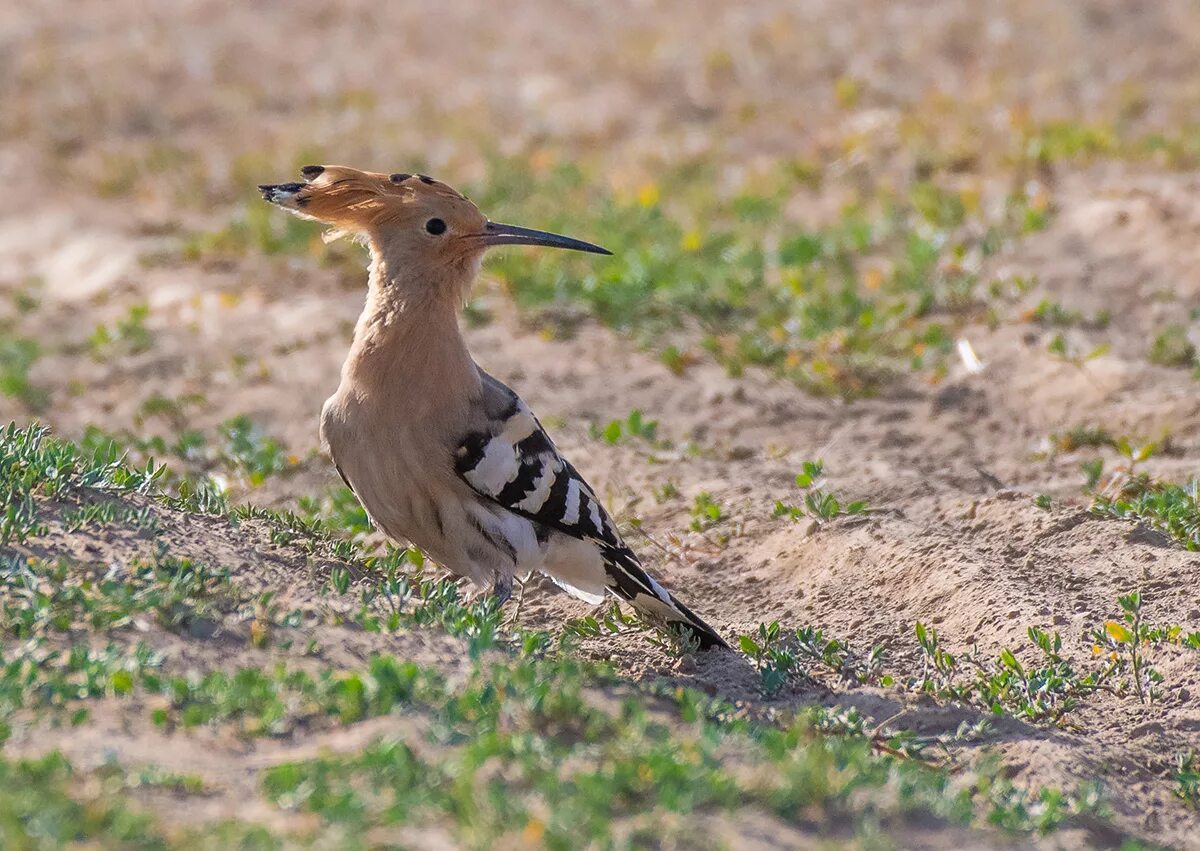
(517, 465)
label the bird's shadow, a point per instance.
(732, 678)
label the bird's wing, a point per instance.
(514, 462)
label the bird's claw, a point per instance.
(502, 587)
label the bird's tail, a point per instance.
(630, 581)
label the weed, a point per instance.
(818, 503)
(127, 336)
(778, 657)
(37, 810)
(1013, 808)
(1172, 508)
(775, 664)
(173, 409)
(612, 621)
(706, 512)
(1045, 691)
(633, 426)
(1052, 313)
(247, 448)
(47, 803)
(1078, 358)
(273, 703)
(1171, 347)
(1080, 437)
(241, 449)
(1092, 471)
(1187, 778)
(666, 492)
(339, 513)
(17, 356)
(1125, 640)
(37, 597)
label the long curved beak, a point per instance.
(498, 234)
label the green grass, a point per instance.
(127, 336)
(46, 804)
(240, 450)
(39, 597)
(17, 356)
(277, 702)
(1033, 683)
(523, 740)
(840, 309)
(1171, 347)
(37, 810)
(877, 291)
(1171, 508)
(530, 756)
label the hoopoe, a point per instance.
(437, 451)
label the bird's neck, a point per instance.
(407, 340)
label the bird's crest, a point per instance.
(353, 201)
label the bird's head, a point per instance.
(412, 220)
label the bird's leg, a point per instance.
(516, 615)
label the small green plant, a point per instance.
(1080, 437)
(611, 621)
(1042, 501)
(173, 409)
(779, 657)
(706, 512)
(776, 664)
(1052, 313)
(128, 335)
(17, 356)
(340, 513)
(1171, 347)
(1186, 775)
(666, 492)
(818, 503)
(1043, 691)
(836, 655)
(246, 447)
(633, 426)
(40, 598)
(1171, 508)
(1077, 358)
(1125, 640)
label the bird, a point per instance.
(440, 453)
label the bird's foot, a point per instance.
(502, 590)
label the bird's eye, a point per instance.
(435, 226)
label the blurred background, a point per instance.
(808, 187)
(830, 197)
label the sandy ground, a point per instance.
(952, 468)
